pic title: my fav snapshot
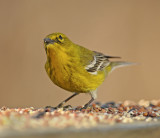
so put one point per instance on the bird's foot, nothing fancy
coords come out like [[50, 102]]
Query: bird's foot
[[67, 107], [85, 107], [50, 108]]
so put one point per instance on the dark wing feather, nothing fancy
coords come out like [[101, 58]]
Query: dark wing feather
[[99, 62]]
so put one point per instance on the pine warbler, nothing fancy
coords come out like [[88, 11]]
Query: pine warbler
[[75, 68]]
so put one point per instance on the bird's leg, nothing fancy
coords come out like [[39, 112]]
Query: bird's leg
[[87, 104], [94, 96], [50, 108], [62, 103]]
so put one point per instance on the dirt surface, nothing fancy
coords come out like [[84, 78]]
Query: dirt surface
[[127, 119]]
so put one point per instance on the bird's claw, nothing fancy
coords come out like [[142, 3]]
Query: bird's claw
[[50, 108], [84, 107], [67, 107]]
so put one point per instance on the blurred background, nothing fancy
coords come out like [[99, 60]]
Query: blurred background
[[126, 28]]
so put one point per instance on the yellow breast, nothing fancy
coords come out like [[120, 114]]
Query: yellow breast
[[69, 74]]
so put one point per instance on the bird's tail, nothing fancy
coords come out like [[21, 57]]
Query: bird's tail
[[116, 64]]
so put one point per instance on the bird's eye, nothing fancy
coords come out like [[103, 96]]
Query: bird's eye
[[60, 37]]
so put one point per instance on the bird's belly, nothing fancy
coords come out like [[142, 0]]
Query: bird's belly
[[74, 79]]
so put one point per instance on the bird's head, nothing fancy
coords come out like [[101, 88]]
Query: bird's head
[[57, 41]]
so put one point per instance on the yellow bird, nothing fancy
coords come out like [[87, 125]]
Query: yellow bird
[[75, 68]]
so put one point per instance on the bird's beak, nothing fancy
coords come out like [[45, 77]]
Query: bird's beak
[[48, 41]]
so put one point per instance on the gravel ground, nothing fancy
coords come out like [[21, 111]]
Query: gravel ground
[[109, 119]]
